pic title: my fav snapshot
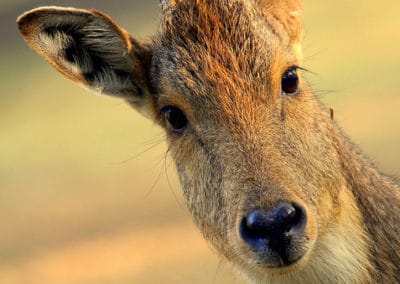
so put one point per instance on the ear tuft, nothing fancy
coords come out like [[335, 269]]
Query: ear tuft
[[88, 47]]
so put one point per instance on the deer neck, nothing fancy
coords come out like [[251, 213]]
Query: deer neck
[[376, 197]]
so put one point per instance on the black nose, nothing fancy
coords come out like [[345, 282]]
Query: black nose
[[274, 230]]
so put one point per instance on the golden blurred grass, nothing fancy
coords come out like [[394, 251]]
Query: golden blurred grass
[[75, 208]]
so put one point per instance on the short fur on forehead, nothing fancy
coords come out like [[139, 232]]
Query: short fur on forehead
[[284, 15]]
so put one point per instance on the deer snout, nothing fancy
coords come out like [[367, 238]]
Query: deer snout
[[277, 235]]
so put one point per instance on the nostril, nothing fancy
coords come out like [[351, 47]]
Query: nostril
[[261, 226], [287, 216]]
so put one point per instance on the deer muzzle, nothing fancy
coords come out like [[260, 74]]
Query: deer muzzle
[[277, 236]]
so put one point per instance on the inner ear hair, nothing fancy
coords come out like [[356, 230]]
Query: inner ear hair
[[87, 47]]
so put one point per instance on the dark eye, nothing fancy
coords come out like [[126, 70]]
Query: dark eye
[[290, 82], [175, 118]]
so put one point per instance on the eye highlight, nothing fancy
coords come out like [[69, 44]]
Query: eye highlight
[[175, 118], [290, 82]]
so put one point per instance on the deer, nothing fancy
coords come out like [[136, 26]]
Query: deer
[[270, 179]]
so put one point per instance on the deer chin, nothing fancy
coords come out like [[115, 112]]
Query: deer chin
[[283, 255], [269, 268]]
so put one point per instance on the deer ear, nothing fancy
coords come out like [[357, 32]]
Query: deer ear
[[286, 16], [89, 48]]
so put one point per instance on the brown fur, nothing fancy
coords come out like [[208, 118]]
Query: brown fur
[[247, 144]]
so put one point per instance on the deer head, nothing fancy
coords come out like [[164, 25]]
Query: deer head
[[253, 147]]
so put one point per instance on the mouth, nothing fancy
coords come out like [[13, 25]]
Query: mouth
[[276, 237]]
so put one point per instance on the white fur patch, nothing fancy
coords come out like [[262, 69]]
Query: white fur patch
[[298, 51], [297, 13], [54, 47]]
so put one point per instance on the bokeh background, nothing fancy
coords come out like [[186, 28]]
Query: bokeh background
[[87, 194]]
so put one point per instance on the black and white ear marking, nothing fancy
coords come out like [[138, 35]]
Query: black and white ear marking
[[88, 47]]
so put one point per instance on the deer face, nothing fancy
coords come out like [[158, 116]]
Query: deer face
[[232, 91], [250, 142]]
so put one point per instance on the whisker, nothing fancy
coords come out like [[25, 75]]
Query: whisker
[[156, 180], [166, 166], [152, 146], [217, 271], [312, 56]]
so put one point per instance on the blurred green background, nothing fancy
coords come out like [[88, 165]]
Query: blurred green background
[[87, 194]]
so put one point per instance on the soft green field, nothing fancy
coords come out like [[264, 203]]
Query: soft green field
[[86, 192]]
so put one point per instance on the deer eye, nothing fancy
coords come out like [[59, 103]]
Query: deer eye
[[290, 82], [175, 118]]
